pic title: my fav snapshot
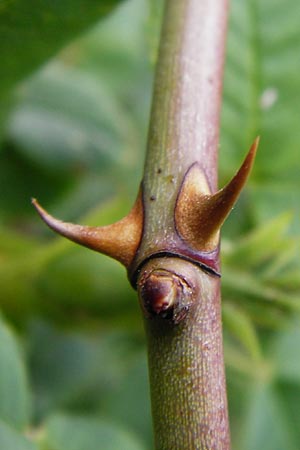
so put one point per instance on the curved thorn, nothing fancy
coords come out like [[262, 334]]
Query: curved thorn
[[200, 215], [221, 203], [119, 240]]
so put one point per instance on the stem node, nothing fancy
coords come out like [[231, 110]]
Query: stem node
[[165, 294]]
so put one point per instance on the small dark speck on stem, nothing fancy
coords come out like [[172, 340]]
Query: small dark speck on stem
[[159, 170], [152, 198]]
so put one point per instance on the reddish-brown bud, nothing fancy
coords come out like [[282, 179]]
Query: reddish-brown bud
[[164, 291]]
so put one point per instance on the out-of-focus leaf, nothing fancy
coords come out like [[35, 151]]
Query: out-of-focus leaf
[[14, 389], [77, 369], [87, 433], [290, 401], [117, 54], [270, 199], [80, 123], [268, 395], [263, 243], [266, 424], [19, 181], [71, 127], [261, 90], [257, 268], [85, 281], [77, 122], [285, 354], [14, 245], [11, 440], [289, 279], [124, 405], [31, 32], [238, 386], [241, 326], [244, 286], [236, 360], [261, 267]]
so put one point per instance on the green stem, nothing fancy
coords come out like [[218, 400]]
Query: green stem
[[186, 365], [187, 380], [184, 126]]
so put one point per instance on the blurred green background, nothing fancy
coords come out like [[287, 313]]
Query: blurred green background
[[75, 96]]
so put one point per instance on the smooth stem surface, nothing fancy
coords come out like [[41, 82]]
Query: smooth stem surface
[[186, 366], [184, 126]]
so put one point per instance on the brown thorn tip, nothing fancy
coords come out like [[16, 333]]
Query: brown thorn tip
[[250, 157], [42, 212], [221, 203], [199, 215], [53, 223], [231, 191]]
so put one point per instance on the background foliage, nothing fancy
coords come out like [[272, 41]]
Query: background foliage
[[73, 372]]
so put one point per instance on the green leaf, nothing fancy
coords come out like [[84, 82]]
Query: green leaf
[[77, 122], [266, 396], [124, 406], [14, 245], [266, 424], [263, 243], [77, 369], [261, 90], [285, 354], [242, 286], [88, 433], [11, 440], [78, 126], [33, 31], [240, 325], [88, 282], [290, 402], [14, 390], [289, 278]]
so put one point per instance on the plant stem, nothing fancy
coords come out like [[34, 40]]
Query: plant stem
[[187, 381], [169, 241], [186, 365], [184, 126]]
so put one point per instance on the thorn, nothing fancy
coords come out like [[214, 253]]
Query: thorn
[[199, 215], [119, 240]]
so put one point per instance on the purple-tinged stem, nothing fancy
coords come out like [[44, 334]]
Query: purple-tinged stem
[[187, 381], [186, 367], [184, 126]]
